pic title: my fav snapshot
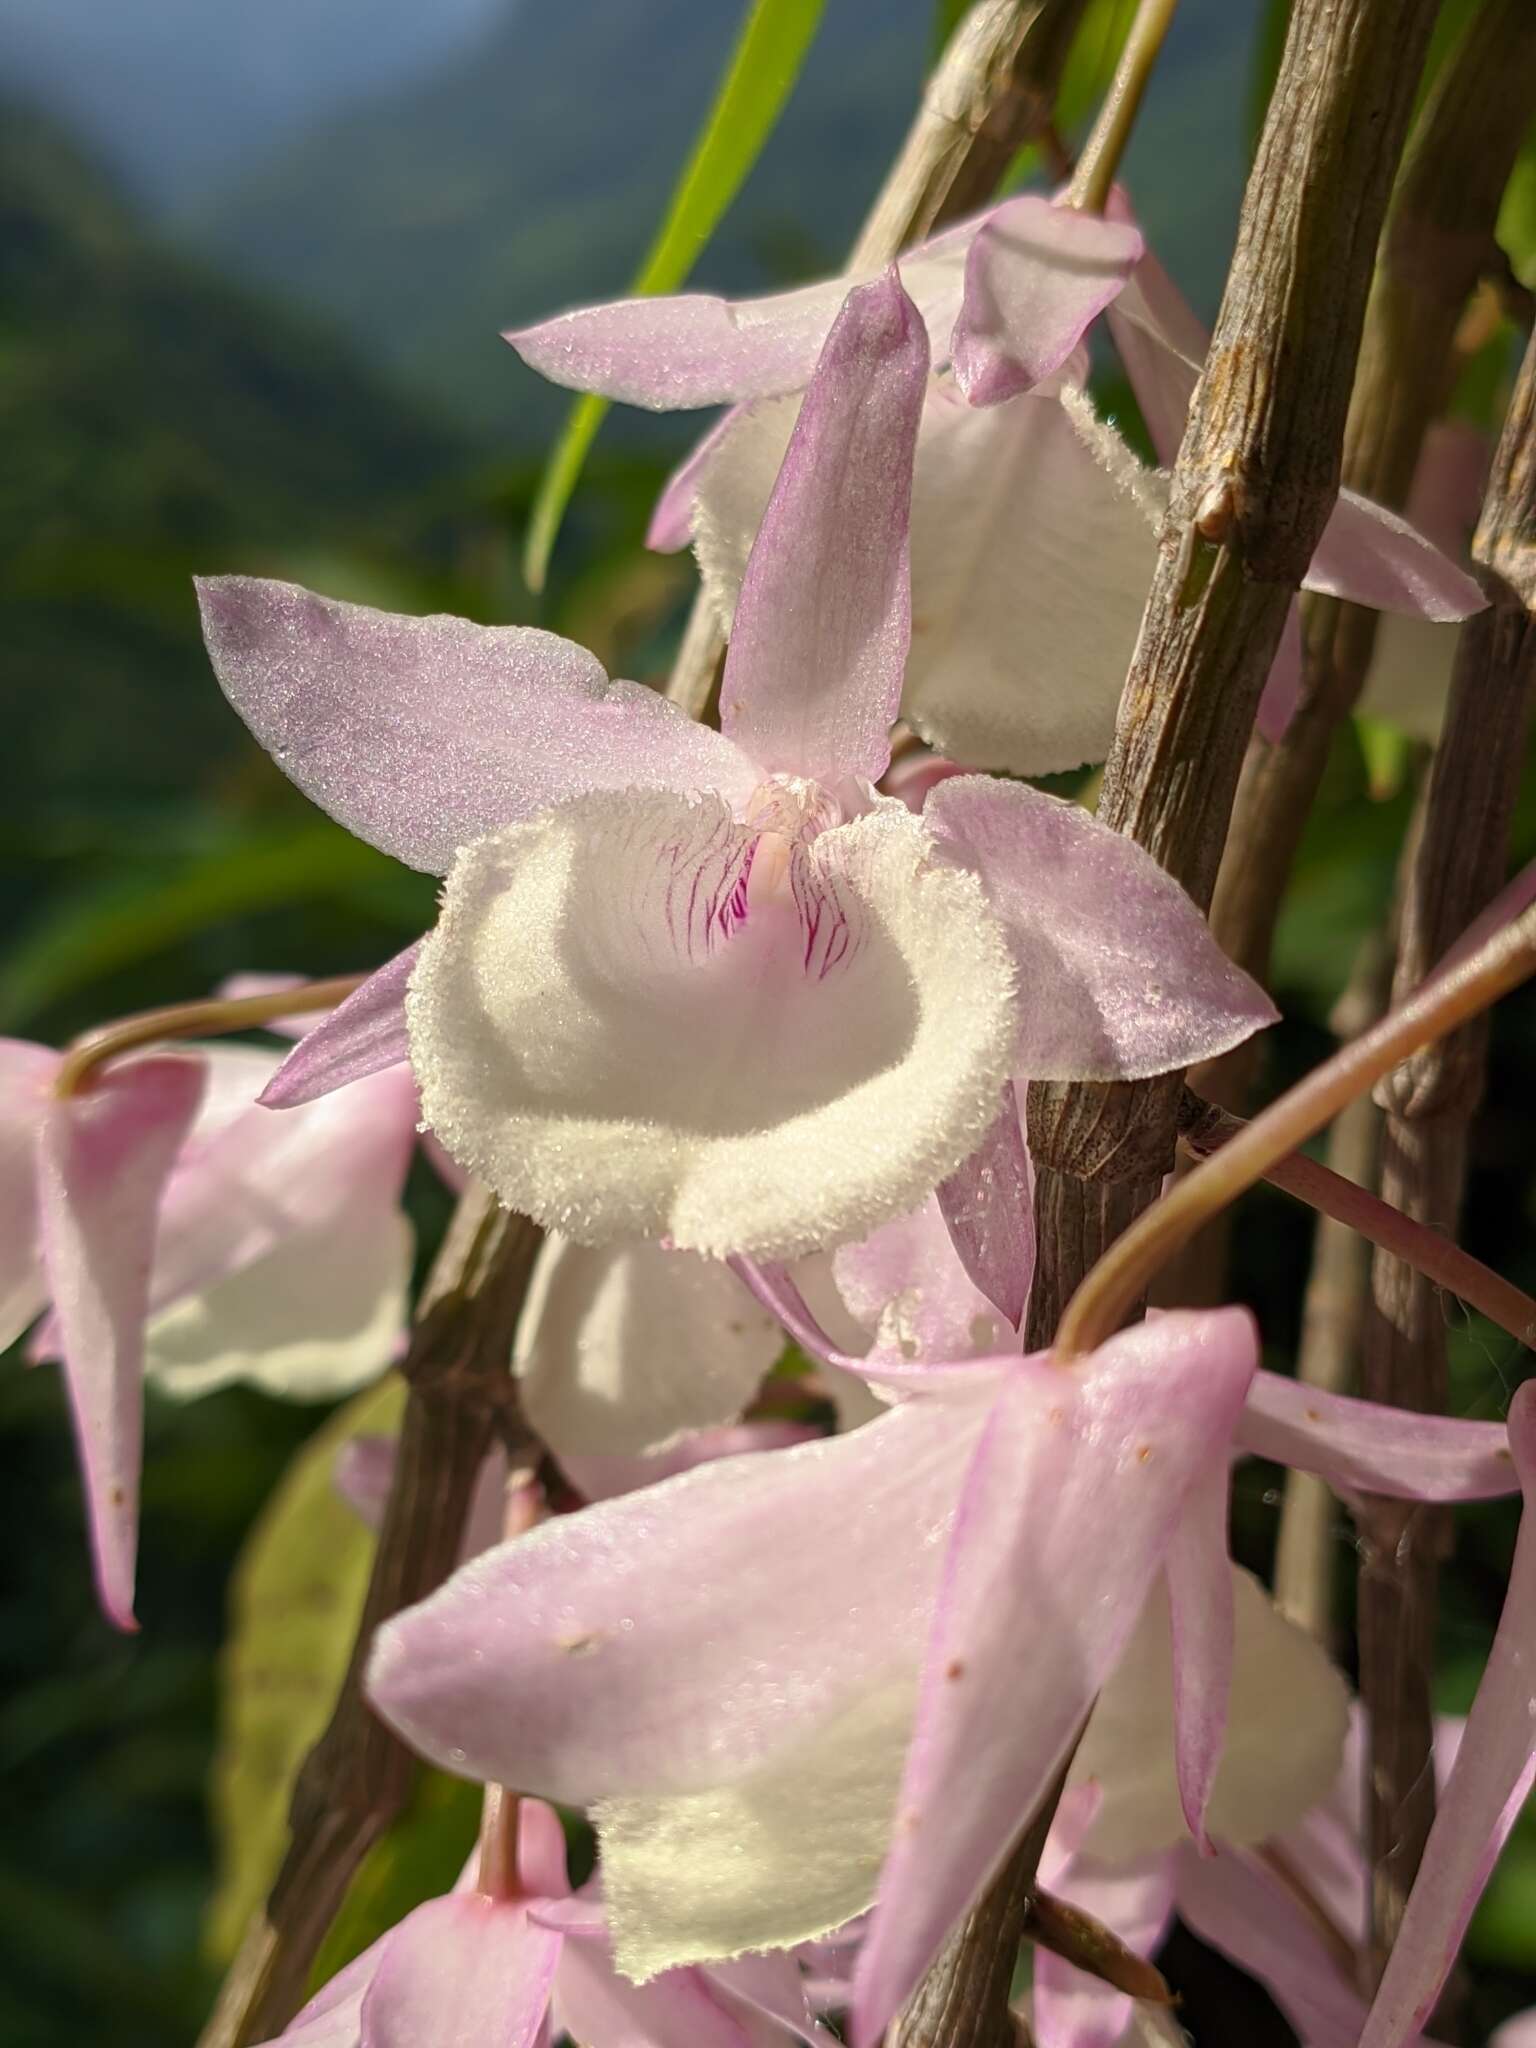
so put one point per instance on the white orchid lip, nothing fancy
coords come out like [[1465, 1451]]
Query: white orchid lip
[[624, 1037]]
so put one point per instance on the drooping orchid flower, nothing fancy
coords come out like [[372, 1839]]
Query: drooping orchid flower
[[506, 1960], [708, 986], [171, 1228], [746, 1792], [1034, 535]]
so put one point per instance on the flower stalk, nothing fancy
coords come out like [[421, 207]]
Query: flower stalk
[[214, 1018], [1449, 1000], [1100, 160]]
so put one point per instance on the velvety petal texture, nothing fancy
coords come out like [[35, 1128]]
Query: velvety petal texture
[[1489, 1782], [420, 734], [104, 1159], [1036, 278], [813, 674], [1067, 1512], [1119, 976], [639, 1018], [623, 1348], [361, 1036]]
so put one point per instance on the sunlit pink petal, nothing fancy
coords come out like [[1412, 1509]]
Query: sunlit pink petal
[[671, 526], [601, 1477], [909, 1288], [819, 642], [420, 734], [1489, 1782], [1118, 973], [1364, 1446], [1204, 1633], [988, 1206], [1067, 1511], [1037, 277], [1375, 557], [104, 1159], [361, 1036], [461, 1969]]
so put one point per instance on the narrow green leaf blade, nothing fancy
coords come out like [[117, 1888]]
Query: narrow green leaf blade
[[764, 66]]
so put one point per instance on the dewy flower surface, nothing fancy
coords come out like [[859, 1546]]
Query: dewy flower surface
[[711, 987]]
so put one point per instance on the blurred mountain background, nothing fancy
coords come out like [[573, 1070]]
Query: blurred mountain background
[[253, 265]]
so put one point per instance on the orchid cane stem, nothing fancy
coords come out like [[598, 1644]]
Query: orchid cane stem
[[1100, 160], [1097, 1308], [210, 1019]]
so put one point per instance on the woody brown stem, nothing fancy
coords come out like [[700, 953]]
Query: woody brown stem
[[992, 91], [1254, 484], [1438, 242], [1456, 867], [357, 1777]]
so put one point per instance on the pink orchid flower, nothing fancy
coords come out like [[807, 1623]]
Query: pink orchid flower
[[709, 987], [742, 1735], [173, 1229], [1024, 626], [513, 1967]]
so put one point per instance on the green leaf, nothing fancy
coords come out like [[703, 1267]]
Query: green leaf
[[762, 72], [1516, 228], [297, 1594]]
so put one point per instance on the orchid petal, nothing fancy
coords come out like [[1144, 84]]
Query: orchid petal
[[1371, 556], [1233, 1903], [1037, 277], [778, 1855], [621, 1038], [593, 1658], [671, 527], [333, 2017], [26, 1074], [1489, 1782], [623, 1348], [1068, 2008], [316, 1318], [1076, 1811], [988, 1207], [911, 1324], [1162, 344], [675, 354], [1282, 687], [1364, 1446], [460, 1969], [603, 1477], [1203, 1628], [682, 2009], [104, 1160], [1284, 1737], [813, 673], [420, 734], [364, 1034], [248, 1181], [906, 1284], [541, 1862], [1118, 972], [1022, 627], [773, 1985], [1068, 1508]]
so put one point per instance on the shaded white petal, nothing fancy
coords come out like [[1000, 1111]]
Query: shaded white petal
[[624, 1347], [317, 1317], [623, 1038], [1285, 1734], [777, 1857]]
